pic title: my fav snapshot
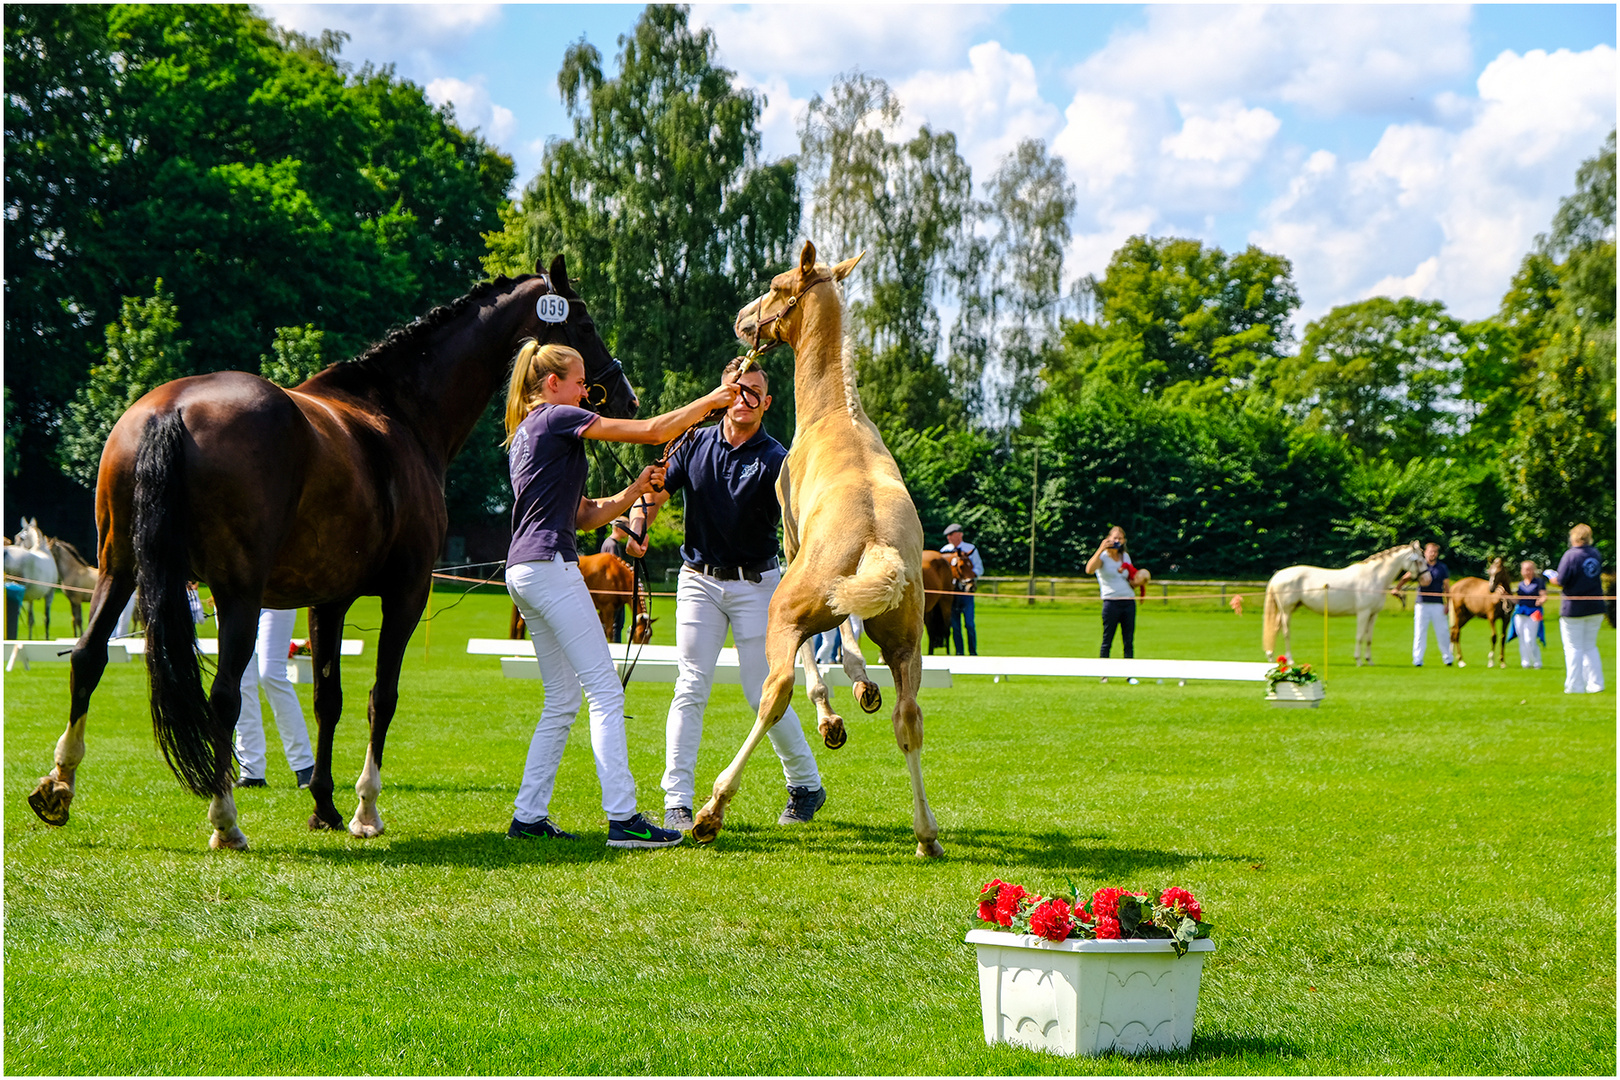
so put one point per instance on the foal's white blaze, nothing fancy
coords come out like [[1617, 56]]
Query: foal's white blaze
[[367, 822]]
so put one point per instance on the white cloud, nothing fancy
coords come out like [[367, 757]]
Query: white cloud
[[420, 33], [779, 121], [991, 106], [821, 41], [474, 109], [1448, 215], [1326, 59]]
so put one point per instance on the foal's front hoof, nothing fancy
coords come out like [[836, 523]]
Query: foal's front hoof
[[833, 733], [929, 849], [708, 823], [869, 696], [50, 800]]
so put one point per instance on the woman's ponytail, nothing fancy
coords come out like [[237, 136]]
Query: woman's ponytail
[[534, 362]]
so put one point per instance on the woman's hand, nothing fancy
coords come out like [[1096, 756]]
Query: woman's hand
[[723, 396], [651, 479]]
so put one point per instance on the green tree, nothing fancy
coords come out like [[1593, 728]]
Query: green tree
[[297, 353], [910, 206], [1384, 374], [1199, 316], [669, 220], [144, 351]]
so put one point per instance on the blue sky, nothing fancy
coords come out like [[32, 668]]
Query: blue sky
[[1384, 149]]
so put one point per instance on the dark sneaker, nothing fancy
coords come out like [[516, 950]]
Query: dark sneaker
[[638, 832], [802, 805], [253, 781], [678, 818], [537, 830], [304, 776]]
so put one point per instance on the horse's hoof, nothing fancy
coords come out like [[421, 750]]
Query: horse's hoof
[[365, 830], [870, 697], [706, 826], [50, 801], [319, 821], [1462, 663], [929, 849], [833, 733], [234, 840]]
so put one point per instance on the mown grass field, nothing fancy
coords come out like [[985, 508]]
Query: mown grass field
[[1418, 877]]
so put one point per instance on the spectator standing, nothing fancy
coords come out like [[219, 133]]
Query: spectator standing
[[1580, 576], [1109, 563], [267, 668], [962, 605], [1430, 609], [1531, 594]]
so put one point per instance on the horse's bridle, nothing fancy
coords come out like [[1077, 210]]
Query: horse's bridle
[[613, 368]]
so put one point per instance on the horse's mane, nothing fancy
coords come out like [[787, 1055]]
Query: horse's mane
[[70, 549], [381, 362], [1387, 551]]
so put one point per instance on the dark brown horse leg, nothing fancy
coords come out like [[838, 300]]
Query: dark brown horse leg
[[50, 800], [1458, 618], [238, 619], [325, 641], [401, 613]]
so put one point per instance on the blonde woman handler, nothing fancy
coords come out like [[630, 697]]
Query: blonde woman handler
[[545, 429]]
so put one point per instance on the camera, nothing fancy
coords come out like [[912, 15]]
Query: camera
[[1116, 544]]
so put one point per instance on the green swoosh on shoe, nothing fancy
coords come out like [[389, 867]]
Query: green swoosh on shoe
[[639, 835]]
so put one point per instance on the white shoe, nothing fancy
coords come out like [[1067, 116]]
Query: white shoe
[[1134, 682]]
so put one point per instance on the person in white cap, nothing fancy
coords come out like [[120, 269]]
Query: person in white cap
[[962, 608]]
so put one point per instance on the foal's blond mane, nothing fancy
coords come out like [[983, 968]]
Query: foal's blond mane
[[846, 353]]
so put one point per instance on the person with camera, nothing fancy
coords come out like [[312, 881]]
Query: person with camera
[[1112, 565], [962, 605]]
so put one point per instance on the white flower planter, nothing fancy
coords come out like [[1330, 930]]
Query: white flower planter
[[1290, 695], [1087, 997]]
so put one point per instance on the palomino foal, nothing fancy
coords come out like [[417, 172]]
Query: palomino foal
[[851, 533]]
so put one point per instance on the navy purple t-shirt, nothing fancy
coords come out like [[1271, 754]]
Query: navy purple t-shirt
[[547, 464], [1580, 574], [1434, 591]]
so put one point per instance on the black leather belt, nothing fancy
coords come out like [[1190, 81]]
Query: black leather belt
[[753, 572]]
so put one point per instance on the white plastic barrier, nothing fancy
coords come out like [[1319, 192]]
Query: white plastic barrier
[[658, 663], [119, 650]]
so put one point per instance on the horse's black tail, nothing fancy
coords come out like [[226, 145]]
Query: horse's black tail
[[181, 716]]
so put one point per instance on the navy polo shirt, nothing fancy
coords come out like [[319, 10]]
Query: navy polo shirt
[[1433, 592], [731, 509]]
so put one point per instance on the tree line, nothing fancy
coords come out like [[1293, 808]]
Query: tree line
[[191, 188]]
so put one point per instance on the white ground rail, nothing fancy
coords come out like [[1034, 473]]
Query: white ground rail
[[119, 650], [657, 664]]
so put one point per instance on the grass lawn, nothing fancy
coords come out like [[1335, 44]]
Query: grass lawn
[[1419, 877]]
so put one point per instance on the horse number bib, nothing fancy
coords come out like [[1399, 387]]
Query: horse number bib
[[551, 308]]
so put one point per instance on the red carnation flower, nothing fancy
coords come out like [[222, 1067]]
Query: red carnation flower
[[1107, 927], [1007, 902], [1105, 903], [987, 906], [1182, 901], [1051, 920]]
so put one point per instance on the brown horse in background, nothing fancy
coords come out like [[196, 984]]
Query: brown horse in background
[[1489, 598], [309, 497], [939, 599], [612, 582]]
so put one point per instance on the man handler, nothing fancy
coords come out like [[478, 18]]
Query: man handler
[[729, 475]]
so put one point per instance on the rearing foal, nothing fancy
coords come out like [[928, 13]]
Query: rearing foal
[[312, 497], [850, 530]]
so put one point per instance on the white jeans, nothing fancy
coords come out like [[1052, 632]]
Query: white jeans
[[126, 619], [267, 668], [832, 641], [574, 657], [704, 607], [1583, 667], [1529, 644], [1427, 615]]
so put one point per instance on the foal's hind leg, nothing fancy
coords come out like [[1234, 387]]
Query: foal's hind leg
[[50, 800], [905, 662], [867, 693], [401, 612], [828, 723]]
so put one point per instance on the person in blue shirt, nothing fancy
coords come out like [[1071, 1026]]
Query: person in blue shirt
[[728, 473], [1528, 626], [1580, 577], [962, 602], [545, 429], [1430, 609]]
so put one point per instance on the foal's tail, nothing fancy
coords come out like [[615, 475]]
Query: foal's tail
[[1272, 622], [878, 585], [181, 716]]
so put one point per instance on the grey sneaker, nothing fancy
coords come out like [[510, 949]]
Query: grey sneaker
[[678, 818], [304, 777], [802, 805]]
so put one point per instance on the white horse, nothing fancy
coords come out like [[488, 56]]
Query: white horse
[[1358, 589], [29, 562]]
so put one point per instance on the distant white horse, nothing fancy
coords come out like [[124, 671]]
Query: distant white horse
[[29, 562], [1358, 589]]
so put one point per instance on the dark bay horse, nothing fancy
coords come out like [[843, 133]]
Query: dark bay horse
[[939, 597], [309, 497]]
